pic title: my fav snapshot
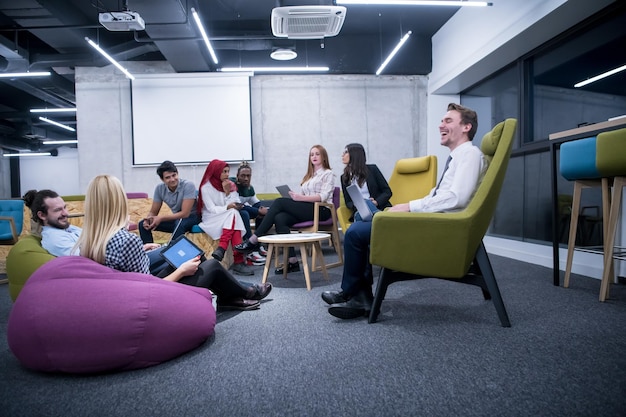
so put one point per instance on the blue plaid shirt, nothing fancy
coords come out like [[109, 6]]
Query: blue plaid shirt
[[125, 253]]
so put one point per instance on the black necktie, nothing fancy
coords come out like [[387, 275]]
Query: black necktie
[[445, 168]]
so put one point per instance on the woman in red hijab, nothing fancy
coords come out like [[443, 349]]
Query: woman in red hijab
[[219, 204]]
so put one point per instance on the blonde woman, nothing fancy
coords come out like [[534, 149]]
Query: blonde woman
[[106, 240]]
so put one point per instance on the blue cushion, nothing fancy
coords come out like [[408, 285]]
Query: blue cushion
[[196, 229], [578, 159]]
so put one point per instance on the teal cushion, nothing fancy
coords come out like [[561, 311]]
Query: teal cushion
[[578, 159], [14, 209]]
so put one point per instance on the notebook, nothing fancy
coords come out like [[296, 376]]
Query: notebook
[[180, 250], [359, 202], [284, 190]]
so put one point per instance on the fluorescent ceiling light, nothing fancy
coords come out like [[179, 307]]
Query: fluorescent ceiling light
[[394, 52], [55, 110], [283, 54], [601, 76], [204, 35], [110, 58], [24, 74], [28, 154], [274, 69], [454, 3], [61, 125], [60, 142]]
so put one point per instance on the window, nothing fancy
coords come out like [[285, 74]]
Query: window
[[539, 91]]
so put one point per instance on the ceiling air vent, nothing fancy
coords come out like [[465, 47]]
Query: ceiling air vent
[[307, 22]]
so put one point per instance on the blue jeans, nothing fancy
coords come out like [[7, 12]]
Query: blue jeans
[[169, 226], [357, 270], [157, 262], [373, 209]]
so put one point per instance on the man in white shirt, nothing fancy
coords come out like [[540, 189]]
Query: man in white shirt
[[58, 236], [462, 174]]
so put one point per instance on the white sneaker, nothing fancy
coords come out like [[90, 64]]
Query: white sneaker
[[255, 258], [262, 251]]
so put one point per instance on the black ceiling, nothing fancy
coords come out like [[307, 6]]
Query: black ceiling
[[50, 35]]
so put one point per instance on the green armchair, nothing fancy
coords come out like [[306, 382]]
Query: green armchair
[[412, 178], [445, 245]]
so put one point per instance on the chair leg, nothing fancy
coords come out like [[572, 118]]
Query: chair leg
[[381, 291], [571, 242], [609, 238], [485, 266]]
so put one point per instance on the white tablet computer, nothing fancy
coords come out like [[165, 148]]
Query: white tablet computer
[[180, 250], [359, 202]]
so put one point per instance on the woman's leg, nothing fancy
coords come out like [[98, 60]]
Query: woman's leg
[[232, 236], [290, 213], [212, 275]]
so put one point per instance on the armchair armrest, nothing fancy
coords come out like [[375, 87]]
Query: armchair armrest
[[427, 244], [13, 228]]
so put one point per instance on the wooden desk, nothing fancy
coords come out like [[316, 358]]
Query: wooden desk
[[556, 139], [295, 239]]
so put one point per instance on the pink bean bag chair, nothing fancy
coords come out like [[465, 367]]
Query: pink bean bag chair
[[77, 316]]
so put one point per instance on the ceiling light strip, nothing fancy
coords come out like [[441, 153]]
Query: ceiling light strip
[[24, 74], [394, 52], [55, 110], [196, 18], [110, 58], [27, 154], [61, 125], [274, 69], [601, 76], [61, 142], [453, 3]]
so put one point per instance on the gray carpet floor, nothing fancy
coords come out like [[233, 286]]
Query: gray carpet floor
[[437, 350]]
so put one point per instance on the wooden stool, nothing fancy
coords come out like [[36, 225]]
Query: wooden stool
[[611, 161], [591, 162], [295, 239]]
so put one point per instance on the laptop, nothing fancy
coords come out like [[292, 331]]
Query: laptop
[[359, 202], [180, 250], [284, 190], [166, 244]]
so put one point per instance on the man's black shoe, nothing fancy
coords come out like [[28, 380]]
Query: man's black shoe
[[357, 306], [247, 247], [291, 267], [334, 297]]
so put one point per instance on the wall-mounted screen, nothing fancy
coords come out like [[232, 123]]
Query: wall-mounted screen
[[191, 118]]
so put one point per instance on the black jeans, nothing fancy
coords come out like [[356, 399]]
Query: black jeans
[[212, 275], [285, 212]]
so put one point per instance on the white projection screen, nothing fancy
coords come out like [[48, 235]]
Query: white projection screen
[[191, 118]]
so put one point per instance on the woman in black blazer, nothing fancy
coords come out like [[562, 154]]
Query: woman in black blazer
[[367, 177]]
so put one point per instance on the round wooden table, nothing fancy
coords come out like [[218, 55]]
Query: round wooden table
[[300, 240]]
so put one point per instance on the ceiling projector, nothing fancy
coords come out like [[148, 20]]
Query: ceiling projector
[[122, 21]]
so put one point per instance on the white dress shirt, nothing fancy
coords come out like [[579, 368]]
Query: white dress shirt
[[458, 184]]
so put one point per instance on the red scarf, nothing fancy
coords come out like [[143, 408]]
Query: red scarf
[[213, 175]]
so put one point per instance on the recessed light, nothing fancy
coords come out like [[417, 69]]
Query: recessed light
[[283, 54]]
